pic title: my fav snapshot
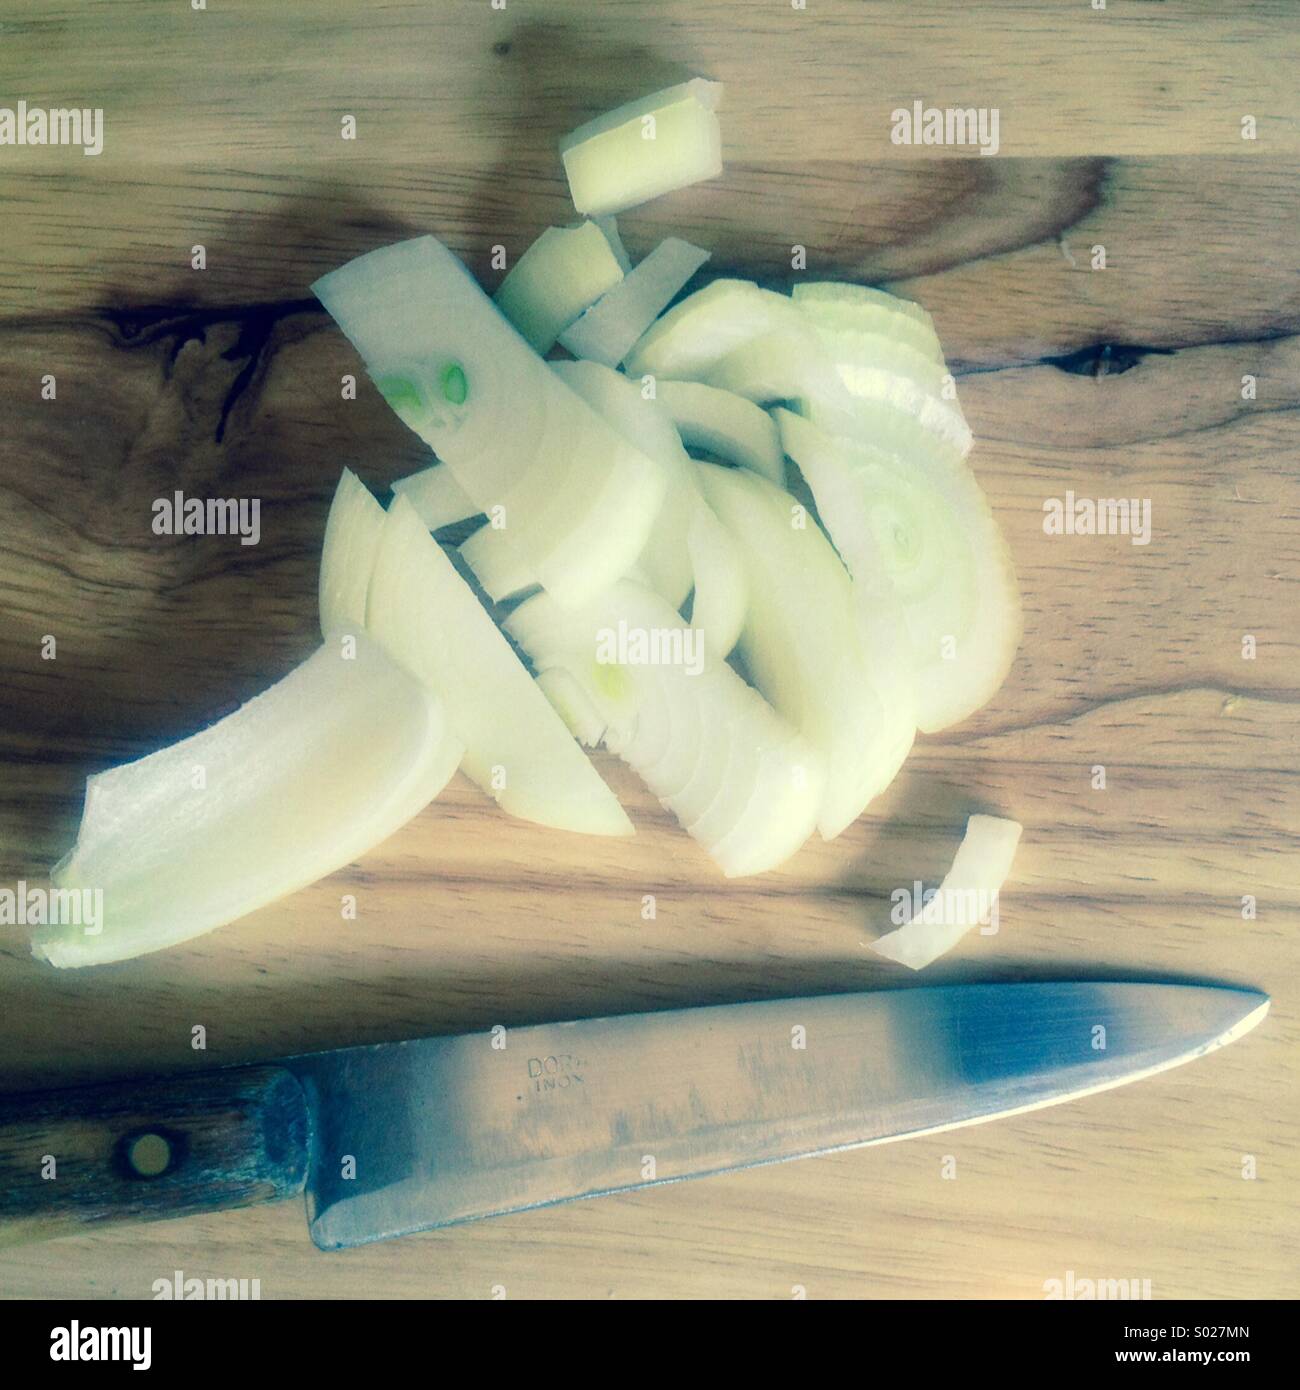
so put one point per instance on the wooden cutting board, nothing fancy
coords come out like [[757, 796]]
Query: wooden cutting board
[[1119, 129]]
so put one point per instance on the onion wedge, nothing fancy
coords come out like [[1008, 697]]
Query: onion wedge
[[967, 896], [645, 148], [920, 528], [348, 557], [439, 500], [734, 773], [724, 424], [295, 784], [564, 272], [608, 330], [807, 648], [516, 747], [578, 500]]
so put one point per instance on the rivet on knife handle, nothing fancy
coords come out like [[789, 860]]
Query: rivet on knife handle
[[146, 1151]]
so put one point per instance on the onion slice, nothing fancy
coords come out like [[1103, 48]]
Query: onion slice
[[439, 500], [863, 309], [807, 647], [735, 774], [726, 425], [348, 556], [516, 748], [920, 528], [645, 148], [566, 270], [697, 333], [295, 784], [967, 896], [608, 330], [578, 500]]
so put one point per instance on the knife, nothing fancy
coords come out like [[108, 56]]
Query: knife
[[402, 1137]]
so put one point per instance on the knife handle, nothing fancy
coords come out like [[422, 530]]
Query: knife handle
[[73, 1160]]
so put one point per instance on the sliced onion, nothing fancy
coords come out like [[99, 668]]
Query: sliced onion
[[609, 225], [876, 368], [697, 333], [725, 424], [608, 330], [734, 773], [578, 500], [348, 556], [295, 784], [862, 309], [571, 702], [439, 500], [807, 648], [921, 528], [666, 560], [721, 589], [516, 748], [660, 143], [966, 897], [496, 564], [562, 273]]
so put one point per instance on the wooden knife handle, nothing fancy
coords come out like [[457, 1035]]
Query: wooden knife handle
[[75, 1159]]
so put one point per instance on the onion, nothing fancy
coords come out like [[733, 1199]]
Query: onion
[[439, 500], [563, 272], [660, 143], [609, 225], [348, 556], [499, 568], [920, 527], [516, 748], [724, 424], [696, 334], [607, 331], [666, 560], [295, 784], [721, 595], [966, 897], [807, 648], [862, 309], [735, 774], [687, 547], [578, 500]]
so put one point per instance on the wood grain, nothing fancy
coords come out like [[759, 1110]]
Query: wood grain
[[70, 1160], [1119, 128]]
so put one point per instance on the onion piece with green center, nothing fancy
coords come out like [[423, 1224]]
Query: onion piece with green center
[[348, 556], [295, 784], [920, 527], [439, 500], [645, 148], [734, 773], [724, 424], [807, 647], [578, 500], [563, 273], [516, 747], [967, 897], [608, 330]]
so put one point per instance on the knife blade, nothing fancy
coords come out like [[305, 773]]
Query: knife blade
[[400, 1137]]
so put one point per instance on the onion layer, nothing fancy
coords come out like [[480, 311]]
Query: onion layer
[[967, 897], [295, 784]]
